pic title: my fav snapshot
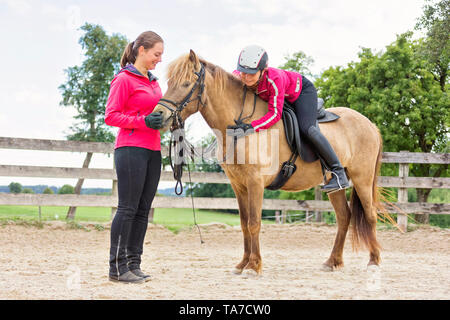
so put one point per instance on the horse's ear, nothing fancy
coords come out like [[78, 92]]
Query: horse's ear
[[193, 57]]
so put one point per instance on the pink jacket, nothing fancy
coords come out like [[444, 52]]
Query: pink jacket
[[275, 86], [131, 98]]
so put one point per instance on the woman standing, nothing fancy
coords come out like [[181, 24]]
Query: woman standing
[[133, 95]]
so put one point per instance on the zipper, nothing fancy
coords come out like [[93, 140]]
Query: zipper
[[117, 258], [132, 130]]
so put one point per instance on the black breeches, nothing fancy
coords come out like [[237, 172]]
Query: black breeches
[[138, 172], [306, 106]]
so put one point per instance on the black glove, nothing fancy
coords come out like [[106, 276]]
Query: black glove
[[154, 120], [240, 129]]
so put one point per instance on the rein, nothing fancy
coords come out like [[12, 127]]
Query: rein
[[239, 120], [178, 124]]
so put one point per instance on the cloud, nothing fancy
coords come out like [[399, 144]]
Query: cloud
[[20, 7]]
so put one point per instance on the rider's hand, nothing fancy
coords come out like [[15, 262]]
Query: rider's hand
[[240, 129]]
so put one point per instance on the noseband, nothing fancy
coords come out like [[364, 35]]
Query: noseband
[[177, 121]]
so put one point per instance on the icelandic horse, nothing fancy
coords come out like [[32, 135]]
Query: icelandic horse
[[355, 139]]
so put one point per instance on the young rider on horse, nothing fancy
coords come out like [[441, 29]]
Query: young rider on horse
[[274, 85]]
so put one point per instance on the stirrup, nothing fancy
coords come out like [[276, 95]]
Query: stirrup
[[339, 185]]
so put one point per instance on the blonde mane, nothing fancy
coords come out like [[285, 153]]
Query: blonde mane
[[182, 70]]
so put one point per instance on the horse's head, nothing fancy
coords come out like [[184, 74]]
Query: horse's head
[[185, 92]]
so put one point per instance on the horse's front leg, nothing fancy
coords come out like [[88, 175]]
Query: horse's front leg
[[255, 199], [242, 199]]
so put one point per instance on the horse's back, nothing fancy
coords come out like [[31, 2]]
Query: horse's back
[[354, 137]]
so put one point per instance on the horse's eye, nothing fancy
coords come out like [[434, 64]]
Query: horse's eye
[[186, 84]]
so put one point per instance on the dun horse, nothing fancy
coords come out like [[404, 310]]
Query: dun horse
[[197, 85]]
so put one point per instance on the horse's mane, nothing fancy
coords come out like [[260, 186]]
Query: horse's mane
[[180, 71]]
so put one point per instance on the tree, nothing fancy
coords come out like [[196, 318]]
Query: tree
[[66, 189], [27, 190], [48, 191], [398, 92], [298, 62], [87, 89], [15, 187], [435, 48]]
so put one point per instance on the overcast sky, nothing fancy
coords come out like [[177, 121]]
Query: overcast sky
[[40, 39]]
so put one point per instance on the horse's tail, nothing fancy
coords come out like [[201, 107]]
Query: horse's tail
[[364, 232]]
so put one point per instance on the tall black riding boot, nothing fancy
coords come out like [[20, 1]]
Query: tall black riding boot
[[338, 179]]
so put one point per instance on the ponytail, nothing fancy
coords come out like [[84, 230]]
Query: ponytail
[[128, 55], [146, 39]]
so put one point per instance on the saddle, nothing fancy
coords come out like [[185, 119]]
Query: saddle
[[298, 143]]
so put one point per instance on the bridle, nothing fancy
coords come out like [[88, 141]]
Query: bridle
[[178, 123], [177, 107]]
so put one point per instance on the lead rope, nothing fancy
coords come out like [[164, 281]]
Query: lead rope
[[177, 168], [192, 198]]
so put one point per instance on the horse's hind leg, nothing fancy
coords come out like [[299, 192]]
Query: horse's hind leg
[[364, 199], [339, 202], [365, 212]]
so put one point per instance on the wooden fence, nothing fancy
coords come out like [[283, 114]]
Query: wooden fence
[[402, 182]]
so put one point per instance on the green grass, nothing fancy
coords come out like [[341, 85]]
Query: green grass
[[87, 214], [173, 219], [176, 219]]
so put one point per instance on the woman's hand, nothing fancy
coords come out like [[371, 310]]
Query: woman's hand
[[154, 120]]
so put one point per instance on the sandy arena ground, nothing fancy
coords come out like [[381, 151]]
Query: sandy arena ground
[[57, 262]]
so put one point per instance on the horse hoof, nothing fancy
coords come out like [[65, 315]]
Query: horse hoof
[[327, 268], [250, 273], [373, 268], [237, 271]]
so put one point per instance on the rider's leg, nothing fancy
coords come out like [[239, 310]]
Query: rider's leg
[[306, 111]]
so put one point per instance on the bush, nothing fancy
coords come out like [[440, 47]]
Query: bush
[[15, 187], [48, 191], [66, 189]]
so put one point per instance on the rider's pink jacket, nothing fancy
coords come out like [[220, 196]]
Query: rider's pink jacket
[[275, 86], [131, 98]]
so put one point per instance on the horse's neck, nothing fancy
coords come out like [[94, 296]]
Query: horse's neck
[[223, 108]]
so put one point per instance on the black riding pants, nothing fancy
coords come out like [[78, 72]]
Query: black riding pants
[[306, 106], [138, 172]]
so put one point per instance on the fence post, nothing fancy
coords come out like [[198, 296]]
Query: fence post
[[402, 218], [151, 215], [318, 196], [277, 217], [283, 216]]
